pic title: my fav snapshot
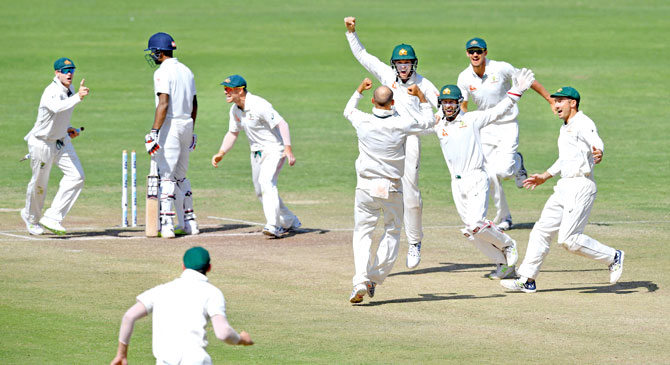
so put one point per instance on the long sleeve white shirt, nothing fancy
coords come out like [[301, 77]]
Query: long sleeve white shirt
[[259, 120], [405, 104], [54, 112], [381, 138], [575, 142]]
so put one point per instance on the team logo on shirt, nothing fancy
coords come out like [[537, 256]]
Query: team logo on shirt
[[444, 132], [472, 88], [402, 52], [493, 79]]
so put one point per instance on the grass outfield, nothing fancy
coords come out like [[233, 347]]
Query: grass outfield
[[64, 298]]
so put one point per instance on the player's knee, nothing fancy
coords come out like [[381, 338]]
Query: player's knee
[[570, 243]]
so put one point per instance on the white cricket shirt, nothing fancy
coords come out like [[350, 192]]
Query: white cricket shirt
[[490, 89], [381, 138], [259, 121], [405, 104], [181, 309], [176, 80], [54, 112], [460, 139], [575, 156]]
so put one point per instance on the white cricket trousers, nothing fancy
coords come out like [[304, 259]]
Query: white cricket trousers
[[44, 154], [265, 168], [566, 213], [174, 137], [470, 193], [367, 210], [502, 162], [411, 193]]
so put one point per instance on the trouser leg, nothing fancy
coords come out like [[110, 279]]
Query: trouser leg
[[41, 161], [387, 252], [413, 204], [366, 215], [70, 185]]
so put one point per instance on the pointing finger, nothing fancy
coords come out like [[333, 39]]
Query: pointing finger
[[82, 82]]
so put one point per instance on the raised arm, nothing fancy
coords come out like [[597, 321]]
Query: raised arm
[[350, 111], [368, 61]]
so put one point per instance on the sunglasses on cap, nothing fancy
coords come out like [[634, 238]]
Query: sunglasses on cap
[[475, 50], [66, 70]]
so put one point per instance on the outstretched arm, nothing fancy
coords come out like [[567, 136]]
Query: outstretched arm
[[536, 179], [226, 145], [227, 334], [135, 312], [368, 61]]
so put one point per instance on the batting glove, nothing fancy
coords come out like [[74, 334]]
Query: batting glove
[[521, 81], [151, 142], [194, 141]]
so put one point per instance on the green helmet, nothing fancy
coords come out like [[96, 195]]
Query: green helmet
[[403, 52], [450, 92]]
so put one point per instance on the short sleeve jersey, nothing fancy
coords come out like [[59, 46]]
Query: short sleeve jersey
[[176, 80], [259, 121], [181, 309]]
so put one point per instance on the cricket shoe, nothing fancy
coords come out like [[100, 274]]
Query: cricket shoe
[[295, 226], [52, 225], [511, 254], [370, 286], [616, 268], [506, 224], [167, 231], [502, 272], [34, 229], [521, 174], [413, 255], [519, 285], [357, 293], [191, 227], [273, 232]]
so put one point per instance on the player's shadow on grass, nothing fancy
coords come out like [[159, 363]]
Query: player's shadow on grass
[[224, 228], [523, 225], [627, 287], [448, 267], [298, 231], [428, 298]]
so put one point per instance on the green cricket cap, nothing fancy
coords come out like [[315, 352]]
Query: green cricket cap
[[234, 81], [403, 52], [450, 92], [63, 63], [568, 92], [475, 43], [196, 258]]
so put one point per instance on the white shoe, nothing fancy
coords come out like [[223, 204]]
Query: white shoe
[[272, 231], [616, 268], [505, 225], [167, 231], [358, 293], [191, 227], [502, 272], [52, 225], [511, 254], [295, 226], [521, 174], [413, 255], [34, 229], [519, 285]]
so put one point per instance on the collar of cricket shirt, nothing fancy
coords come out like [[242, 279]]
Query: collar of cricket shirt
[[382, 113]]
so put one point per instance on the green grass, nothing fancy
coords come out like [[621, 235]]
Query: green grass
[[64, 307]]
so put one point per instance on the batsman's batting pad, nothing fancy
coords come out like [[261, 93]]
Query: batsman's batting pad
[[491, 234]]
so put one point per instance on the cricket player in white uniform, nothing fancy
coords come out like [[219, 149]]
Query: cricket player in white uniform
[[486, 82], [181, 310], [270, 142], [379, 190], [49, 143], [567, 211], [459, 136], [171, 136], [399, 76]]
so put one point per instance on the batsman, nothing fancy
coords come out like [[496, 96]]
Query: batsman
[[171, 138]]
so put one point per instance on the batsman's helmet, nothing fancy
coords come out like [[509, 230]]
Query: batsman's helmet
[[161, 42]]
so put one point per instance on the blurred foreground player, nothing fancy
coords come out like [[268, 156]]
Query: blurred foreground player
[[181, 310]]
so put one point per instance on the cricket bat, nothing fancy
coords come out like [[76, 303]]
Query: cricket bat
[[151, 224]]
